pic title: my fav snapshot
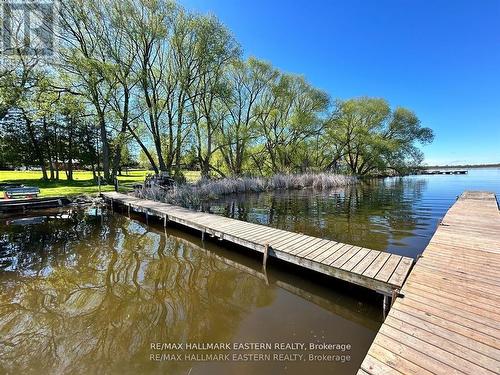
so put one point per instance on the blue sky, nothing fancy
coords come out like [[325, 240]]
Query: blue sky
[[439, 58]]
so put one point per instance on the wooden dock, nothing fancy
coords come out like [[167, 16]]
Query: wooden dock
[[12, 205], [376, 270], [448, 319], [445, 171]]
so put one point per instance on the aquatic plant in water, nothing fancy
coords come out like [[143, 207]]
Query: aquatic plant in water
[[193, 195]]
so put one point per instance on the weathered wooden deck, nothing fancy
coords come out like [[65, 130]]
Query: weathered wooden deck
[[376, 270], [448, 320]]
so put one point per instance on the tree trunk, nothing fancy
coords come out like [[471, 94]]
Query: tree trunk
[[144, 148], [44, 170], [36, 146], [205, 167], [56, 152], [94, 175], [161, 161], [104, 146], [178, 145], [117, 156], [47, 146], [69, 166], [51, 169]]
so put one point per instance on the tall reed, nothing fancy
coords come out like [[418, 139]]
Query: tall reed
[[193, 195]]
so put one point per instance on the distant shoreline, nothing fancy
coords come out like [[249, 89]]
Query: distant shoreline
[[495, 165]]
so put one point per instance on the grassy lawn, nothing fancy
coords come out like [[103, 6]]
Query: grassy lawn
[[82, 184]]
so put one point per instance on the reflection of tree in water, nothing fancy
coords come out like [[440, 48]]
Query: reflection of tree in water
[[373, 213], [97, 296]]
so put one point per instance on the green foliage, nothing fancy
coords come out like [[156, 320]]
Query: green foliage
[[289, 116], [369, 137], [144, 161], [148, 78]]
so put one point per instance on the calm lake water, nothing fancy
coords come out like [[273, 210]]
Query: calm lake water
[[83, 292], [398, 215]]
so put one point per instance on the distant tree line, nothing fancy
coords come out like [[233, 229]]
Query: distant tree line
[[148, 78]]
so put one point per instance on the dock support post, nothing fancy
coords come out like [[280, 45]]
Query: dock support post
[[385, 305], [264, 272], [203, 235], [129, 210], [147, 217], [164, 221], [395, 293], [266, 254], [112, 206]]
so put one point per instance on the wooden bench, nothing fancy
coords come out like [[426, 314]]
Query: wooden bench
[[19, 192]]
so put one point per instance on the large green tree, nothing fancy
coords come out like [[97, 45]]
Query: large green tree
[[247, 82], [369, 137], [215, 49], [290, 114]]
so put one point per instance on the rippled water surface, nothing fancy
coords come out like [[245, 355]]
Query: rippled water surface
[[85, 292], [398, 215]]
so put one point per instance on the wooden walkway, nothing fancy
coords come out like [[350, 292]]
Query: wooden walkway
[[448, 320], [379, 271]]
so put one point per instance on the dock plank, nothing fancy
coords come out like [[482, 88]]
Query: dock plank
[[404, 350], [365, 262], [310, 244], [446, 320], [297, 237], [335, 248], [396, 362], [437, 348], [340, 261], [377, 265], [337, 254], [351, 263], [461, 355], [389, 267], [325, 249], [401, 271], [261, 235], [316, 247]]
